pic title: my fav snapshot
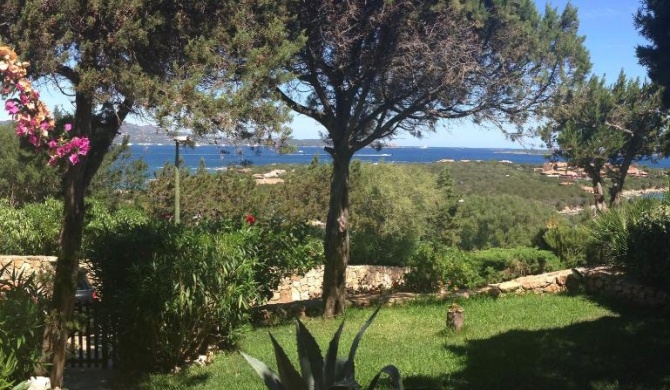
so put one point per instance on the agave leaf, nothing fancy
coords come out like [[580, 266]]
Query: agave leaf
[[290, 377], [331, 366], [349, 370], [270, 379], [311, 360], [345, 384], [393, 373]]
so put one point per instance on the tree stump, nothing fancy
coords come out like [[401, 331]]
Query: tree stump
[[455, 317]]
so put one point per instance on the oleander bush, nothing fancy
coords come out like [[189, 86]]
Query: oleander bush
[[174, 290], [23, 304], [177, 290], [30, 230]]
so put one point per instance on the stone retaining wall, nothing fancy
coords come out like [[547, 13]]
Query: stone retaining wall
[[370, 278], [599, 280], [360, 278], [28, 264]]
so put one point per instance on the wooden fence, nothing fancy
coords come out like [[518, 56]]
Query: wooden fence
[[93, 343]]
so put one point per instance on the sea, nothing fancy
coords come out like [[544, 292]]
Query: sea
[[217, 157]]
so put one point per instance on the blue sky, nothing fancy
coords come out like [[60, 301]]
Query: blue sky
[[610, 37]]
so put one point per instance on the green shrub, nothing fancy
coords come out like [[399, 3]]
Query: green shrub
[[438, 268], [610, 230], [394, 207], [178, 289], [570, 243], [7, 368], [435, 268], [31, 230], [497, 264], [647, 256], [502, 221], [23, 303], [282, 249], [175, 290]]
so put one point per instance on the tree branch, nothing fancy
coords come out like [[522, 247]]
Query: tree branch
[[617, 127]]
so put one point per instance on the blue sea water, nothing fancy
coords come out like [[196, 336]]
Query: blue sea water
[[218, 157]]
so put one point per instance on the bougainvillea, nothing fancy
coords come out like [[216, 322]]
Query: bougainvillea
[[34, 121]]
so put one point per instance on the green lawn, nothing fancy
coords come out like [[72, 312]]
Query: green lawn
[[533, 342]]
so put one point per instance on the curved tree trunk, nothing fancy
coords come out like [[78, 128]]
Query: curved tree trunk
[[599, 197], [617, 187], [56, 332], [337, 238], [76, 181]]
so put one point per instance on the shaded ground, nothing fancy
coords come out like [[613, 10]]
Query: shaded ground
[[631, 351], [89, 378]]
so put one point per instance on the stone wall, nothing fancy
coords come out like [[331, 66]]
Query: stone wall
[[28, 264], [360, 278], [598, 280]]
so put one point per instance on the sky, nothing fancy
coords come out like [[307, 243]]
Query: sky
[[610, 38]]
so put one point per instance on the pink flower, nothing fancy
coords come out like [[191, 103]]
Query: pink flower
[[11, 107], [74, 158], [53, 144], [21, 130], [68, 127]]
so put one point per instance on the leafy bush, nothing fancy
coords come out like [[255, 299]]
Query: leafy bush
[[610, 230], [647, 255], [435, 268], [178, 289], [635, 236], [23, 303], [393, 207], [174, 290], [503, 221], [30, 230], [438, 268], [497, 264], [282, 249], [572, 244]]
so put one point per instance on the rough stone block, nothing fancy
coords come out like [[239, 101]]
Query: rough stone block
[[509, 286]]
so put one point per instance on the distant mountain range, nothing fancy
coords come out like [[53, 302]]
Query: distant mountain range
[[149, 134]]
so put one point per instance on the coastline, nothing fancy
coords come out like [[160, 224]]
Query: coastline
[[625, 193]]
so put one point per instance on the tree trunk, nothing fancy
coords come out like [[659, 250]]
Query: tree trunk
[[337, 238], [76, 181], [617, 187], [599, 197], [56, 332]]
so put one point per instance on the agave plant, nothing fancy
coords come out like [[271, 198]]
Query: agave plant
[[318, 373]]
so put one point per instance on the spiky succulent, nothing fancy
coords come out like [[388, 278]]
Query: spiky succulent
[[318, 373]]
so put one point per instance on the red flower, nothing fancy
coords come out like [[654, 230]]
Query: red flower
[[250, 219]]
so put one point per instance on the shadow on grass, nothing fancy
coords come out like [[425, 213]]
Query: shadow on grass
[[630, 351], [180, 381]]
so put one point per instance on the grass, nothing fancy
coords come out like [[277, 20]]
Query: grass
[[534, 342]]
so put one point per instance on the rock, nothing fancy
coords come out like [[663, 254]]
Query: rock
[[39, 383], [509, 286]]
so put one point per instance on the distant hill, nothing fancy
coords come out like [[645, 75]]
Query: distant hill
[[149, 134]]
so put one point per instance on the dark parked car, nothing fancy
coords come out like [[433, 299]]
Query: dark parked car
[[85, 291]]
